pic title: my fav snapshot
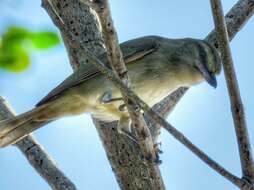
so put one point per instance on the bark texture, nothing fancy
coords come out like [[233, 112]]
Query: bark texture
[[37, 157]]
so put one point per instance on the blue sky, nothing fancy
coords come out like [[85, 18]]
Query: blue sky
[[203, 114]]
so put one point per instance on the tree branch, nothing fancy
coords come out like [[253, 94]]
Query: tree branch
[[37, 156], [116, 60], [235, 19], [237, 108]]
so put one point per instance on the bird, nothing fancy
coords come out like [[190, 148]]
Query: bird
[[156, 66]]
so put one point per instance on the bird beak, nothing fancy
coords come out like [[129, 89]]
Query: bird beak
[[209, 77]]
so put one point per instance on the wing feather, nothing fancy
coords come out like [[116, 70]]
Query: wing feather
[[132, 50]]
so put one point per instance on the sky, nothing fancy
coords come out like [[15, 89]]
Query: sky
[[203, 115]]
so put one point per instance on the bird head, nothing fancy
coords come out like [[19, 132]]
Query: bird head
[[205, 59]]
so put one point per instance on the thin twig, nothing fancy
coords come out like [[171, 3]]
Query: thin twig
[[37, 156], [164, 108], [237, 108], [116, 60]]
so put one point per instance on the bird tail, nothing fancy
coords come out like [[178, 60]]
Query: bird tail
[[16, 128]]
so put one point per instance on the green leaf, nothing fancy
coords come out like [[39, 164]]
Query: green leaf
[[15, 35], [16, 43], [13, 56], [14, 59], [44, 40]]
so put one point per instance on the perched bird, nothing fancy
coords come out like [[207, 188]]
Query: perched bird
[[156, 66]]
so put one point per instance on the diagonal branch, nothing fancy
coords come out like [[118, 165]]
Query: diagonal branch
[[116, 60], [37, 156], [237, 108]]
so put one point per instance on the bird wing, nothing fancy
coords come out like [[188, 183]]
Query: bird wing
[[132, 50]]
